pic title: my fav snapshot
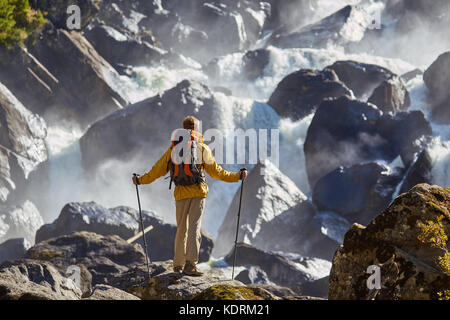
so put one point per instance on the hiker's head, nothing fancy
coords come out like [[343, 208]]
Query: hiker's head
[[191, 123]]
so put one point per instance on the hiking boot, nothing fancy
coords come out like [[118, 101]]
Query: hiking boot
[[191, 270], [178, 269]]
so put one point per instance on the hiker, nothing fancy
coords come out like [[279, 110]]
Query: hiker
[[190, 192]]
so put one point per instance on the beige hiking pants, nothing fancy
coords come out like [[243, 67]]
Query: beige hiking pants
[[188, 238]]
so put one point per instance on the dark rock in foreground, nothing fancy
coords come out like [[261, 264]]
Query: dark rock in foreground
[[280, 270], [409, 266], [124, 222], [105, 257], [105, 292], [35, 280]]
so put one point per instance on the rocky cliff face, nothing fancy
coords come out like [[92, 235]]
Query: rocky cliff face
[[407, 242]]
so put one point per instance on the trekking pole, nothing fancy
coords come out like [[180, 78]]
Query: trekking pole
[[237, 227], [142, 228]]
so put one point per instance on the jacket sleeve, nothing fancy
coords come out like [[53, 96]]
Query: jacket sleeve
[[215, 170], [159, 169]]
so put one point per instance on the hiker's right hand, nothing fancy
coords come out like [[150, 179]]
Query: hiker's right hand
[[136, 179], [243, 174]]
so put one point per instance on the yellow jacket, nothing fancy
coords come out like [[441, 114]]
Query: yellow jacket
[[194, 191]]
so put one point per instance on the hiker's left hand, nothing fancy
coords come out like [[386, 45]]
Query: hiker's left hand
[[135, 179], [243, 173]]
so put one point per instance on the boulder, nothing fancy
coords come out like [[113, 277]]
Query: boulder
[[361, 78], [346, 132], [252, 275], [105, 292], [30, 82], [104, 140], [437, 79], [13, 249], [299, 274], [233, 292], [296, 230], [89, 84], [56, 12], [117, 48], [138, 275], [22, 143], [397, 243], [278, 291], [391, 96], [105, 257], [345, 26], [35, 280], [175, 286], [357, 193], [299, 94], [19, 221], [254, 63], [267, 193], [419, 172], [122, 221]]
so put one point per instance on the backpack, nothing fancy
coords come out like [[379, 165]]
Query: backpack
[[188, 172]]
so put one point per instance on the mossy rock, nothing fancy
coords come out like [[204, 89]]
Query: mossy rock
[[393, 241], [229, 292]]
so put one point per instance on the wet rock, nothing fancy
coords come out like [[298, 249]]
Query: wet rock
[[361, 78], [254, 63], [391, 96], [358, 193], [88, 84], [342, 27], [104, 138], [267, 194], [117, 48], [437, 79], [299, 94], [419, 172], [22, 143], [346, 132], [35, 280], [409, 267]]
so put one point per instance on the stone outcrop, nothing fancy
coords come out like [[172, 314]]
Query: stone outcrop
[[124, 222], [398, 244], [267, 193], [35, 280]]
